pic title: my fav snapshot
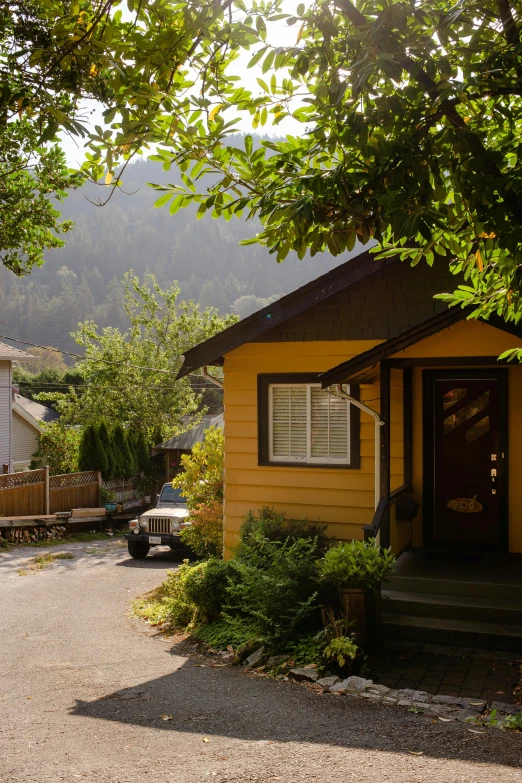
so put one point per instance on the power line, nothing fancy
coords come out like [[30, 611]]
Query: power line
[[79, 356], [86, 386]]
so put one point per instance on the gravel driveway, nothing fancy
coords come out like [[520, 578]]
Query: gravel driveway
[[84, 686]]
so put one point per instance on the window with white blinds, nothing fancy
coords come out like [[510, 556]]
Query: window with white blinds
[[307, 424]]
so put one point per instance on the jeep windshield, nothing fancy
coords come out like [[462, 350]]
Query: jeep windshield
[[170, 494]]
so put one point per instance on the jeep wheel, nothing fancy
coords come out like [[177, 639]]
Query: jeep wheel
[[138, 549]]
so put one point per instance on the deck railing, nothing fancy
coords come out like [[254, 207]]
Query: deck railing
[[380, 523]]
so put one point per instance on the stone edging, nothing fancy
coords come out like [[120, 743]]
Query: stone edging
[[448, 708]]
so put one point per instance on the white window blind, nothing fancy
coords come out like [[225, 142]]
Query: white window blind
[[308, 425]]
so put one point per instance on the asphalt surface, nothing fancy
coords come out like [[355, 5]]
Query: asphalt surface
[[84, 686]]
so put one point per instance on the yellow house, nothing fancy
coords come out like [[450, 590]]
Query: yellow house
[[362, 402]]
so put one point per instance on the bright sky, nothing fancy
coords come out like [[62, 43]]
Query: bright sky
[[279, 34]]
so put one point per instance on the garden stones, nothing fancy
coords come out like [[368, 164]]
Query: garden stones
[[327, 682], [256, 658], [352, 684], [304, 675]]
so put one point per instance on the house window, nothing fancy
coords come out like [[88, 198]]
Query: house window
[[300, 424]]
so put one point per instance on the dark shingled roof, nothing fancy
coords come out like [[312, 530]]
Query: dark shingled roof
[[40, 413], [212, 351], [188, 440]]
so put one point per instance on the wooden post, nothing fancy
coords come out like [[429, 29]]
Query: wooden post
[[385, 450], [47, 492]]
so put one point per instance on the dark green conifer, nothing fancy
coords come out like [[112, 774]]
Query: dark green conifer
[[126, 466]]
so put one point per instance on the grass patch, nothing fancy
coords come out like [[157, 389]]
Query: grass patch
[[40, 562], [77, 538], [153, 607], [43, 561]]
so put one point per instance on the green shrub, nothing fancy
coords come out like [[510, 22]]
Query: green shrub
[[205, 535], [514, 721], [228, 632], [309, 650], [206, 587], [201, 479], [269, 525], [276, 590], [356, 564], [340, 650], [169, 603]]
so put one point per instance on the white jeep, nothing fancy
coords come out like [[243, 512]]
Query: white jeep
[[160, 525]]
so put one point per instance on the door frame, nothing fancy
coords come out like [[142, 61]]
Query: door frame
[[428, 435]]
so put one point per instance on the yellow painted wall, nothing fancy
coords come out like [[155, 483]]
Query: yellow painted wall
[[344, 498], [341, 497]]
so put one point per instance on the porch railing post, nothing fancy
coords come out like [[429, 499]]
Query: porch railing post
[[385, 450]]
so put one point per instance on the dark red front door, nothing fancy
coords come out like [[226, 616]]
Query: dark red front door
[[466, 418]]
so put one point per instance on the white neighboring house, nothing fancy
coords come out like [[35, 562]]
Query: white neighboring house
[[8, 355], [27, 419]]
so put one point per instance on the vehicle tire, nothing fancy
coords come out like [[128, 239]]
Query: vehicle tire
[[138, 549]]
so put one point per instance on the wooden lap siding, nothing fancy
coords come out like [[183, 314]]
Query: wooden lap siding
[[343, 498], [25, 441], [5, 413]]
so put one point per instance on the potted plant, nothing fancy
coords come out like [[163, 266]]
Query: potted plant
[[108, 499], [357, 569]]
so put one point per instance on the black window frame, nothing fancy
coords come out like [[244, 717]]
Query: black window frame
[[264, 381]]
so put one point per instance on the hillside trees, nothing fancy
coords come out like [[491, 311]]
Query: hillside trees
[[412, 119], [129, 376], [133, 59]]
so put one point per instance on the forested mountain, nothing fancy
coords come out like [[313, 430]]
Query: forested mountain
[[82, 280]]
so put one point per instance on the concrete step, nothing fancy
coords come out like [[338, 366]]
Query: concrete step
[[452, 607], [453, 633], [470, 587]]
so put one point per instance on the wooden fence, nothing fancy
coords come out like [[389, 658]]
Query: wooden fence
[[34, 492], [24, 494], [74, 490], [124, 489]]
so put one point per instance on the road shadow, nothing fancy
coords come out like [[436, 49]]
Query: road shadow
[[158, 557], [204, 697]]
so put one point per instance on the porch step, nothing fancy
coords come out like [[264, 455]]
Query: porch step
[[451, 607], [457, 633], [468, 587]]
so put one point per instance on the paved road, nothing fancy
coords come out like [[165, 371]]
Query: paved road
[[83, 685]]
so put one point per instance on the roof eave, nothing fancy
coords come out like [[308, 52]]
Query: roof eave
[[346, 371], [212, 351]]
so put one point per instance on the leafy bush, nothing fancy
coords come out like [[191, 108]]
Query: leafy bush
[[169, 603], [276, 590], [309, 649], [341, 650], [58, 447], [206, 587], [356, 564], [228, 632], [514, 721], [205, 534], [273, 527], [201, 480]]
